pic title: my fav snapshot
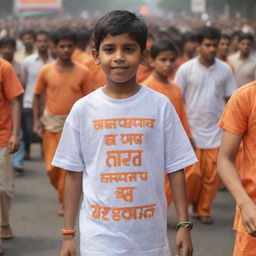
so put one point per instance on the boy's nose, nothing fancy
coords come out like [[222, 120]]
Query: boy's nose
[[119, 56]]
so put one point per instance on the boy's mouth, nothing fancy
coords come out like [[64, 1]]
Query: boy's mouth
[[119, 68]]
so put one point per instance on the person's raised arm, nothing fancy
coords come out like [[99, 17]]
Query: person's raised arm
[[230, 177], [178, 187]]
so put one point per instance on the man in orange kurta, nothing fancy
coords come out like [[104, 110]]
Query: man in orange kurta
[[62, 82], [239, 124], [162, 60], [10, 89]]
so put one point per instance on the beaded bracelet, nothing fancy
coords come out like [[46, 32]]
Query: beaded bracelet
[[68, 231], [185, 224]]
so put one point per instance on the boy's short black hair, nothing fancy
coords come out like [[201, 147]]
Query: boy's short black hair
[[83, 35], [42, 32], [236, 34], [208, 33], [27, 32], [225, 36], [189, 37], [8, 41], [64, 33], [246, 36], [121, 22], [162, 46]]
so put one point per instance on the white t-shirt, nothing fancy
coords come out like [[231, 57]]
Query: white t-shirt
[[123, 146], [204, 91]]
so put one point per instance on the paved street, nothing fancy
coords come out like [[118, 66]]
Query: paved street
[[37, 226]]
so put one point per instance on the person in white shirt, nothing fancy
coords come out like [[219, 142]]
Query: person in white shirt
[[206, 83], [244, 61], [30, 69], [116, 145]]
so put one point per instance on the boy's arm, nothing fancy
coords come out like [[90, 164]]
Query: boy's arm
[[178, 187], [37, 125], [229, 174], [73, 189], [13, 144]]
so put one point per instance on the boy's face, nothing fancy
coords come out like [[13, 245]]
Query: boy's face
[[64, 49], [28, 40], [190, 47], [7, 52], [164, 63], [42, 42], [224, 47], [208, 49], [119, 57], [245, 46]]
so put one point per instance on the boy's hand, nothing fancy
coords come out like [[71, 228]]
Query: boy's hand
[[248, 212], [68, 247], [183, 240], [13, 144], [38, 128]]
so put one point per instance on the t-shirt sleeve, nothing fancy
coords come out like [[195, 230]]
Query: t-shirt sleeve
[[180, 79], [69, 151], [230, 83], [236, 114], [178, 150], [11, 84], [40, 83]]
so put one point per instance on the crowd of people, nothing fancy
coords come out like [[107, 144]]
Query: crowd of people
[[46, 70]]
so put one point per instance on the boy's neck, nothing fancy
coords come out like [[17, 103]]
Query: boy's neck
[[121, 90], [66, 65], [162, 79]]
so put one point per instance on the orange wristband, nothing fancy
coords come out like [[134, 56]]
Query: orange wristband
[[68, 231]]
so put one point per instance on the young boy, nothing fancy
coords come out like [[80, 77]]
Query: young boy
[[63, 82], [163, 55], [116, 144], [239, 124]]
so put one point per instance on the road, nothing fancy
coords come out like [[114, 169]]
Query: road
[[37, 226]]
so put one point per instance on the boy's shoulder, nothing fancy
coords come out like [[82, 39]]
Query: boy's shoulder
[[48, 67], [247, 90]]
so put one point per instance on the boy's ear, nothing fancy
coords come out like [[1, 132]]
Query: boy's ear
[[95, 55], [151, 62], [144, 57]]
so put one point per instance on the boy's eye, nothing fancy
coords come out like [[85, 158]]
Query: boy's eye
[[108, 49], [129, 49]]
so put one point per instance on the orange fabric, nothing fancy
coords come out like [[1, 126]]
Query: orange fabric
[[62, 89], [143, 73], [80, 56], [56, 175], [239, 117], [173, 92], [97, 75], [10, 88], [245, 245], [202, 180]]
